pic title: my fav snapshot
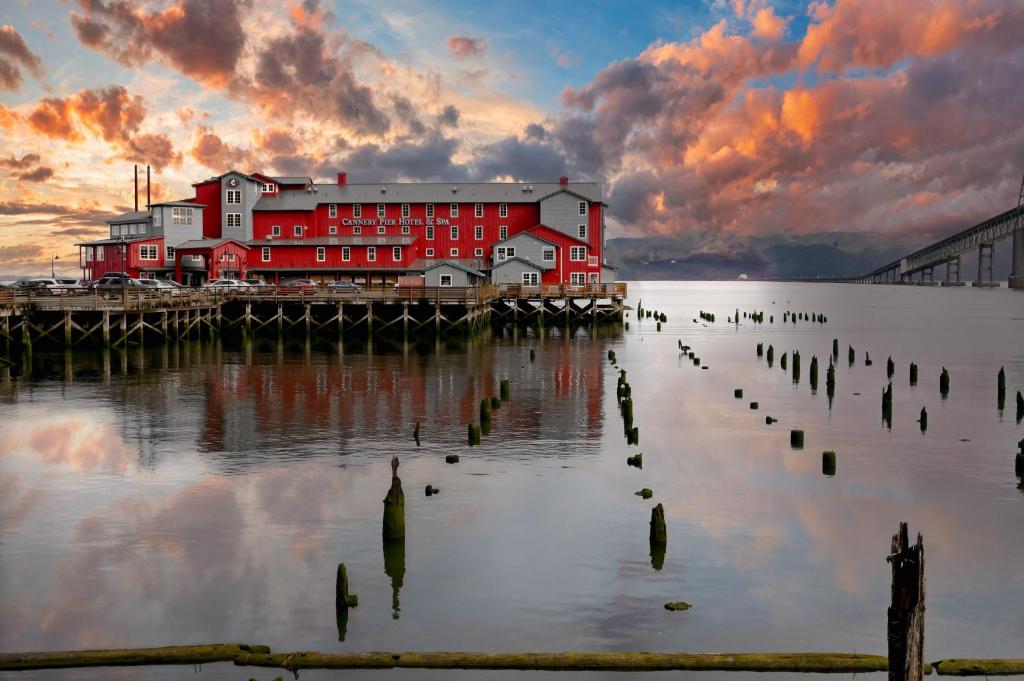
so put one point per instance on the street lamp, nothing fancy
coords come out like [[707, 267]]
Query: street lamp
[[53, 257]]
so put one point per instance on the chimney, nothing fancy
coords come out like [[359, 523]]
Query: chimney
[[135, 170], [342, 179], [147, 186], [563, 180]]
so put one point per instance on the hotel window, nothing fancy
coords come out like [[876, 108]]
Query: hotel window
[[99, 254], [269, 188], [234, 196], [357, 230], [346, 253], [333, 229], [266, 254], [505, 252], [430, 210], [446, 280], [275, 230], [478, 210], [332, 210], [530, 278], [455, 232], [380, 210], [169, 253], [131, 228], [430, 253], [396, 253], [90, 252], [478, 252], [297, 230], [357, 210], [547, 255], [147, 253], [230, 257], [405, 210], [592, 261], [502, 210], [453, 210], [581, 231], [381, 229], [371, 253], [430, 232], [577, 278], [406, 229], [234, 219], [454, 253], [321, 254], [578, 253], [158, 217], [583, 207], [181, 216], [502, 232], [478, 233]]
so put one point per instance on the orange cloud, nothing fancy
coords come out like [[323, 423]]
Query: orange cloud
[[768, 26]]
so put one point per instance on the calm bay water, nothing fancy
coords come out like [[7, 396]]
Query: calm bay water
[[202, 493]]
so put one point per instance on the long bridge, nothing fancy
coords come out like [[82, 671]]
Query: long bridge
[[948, 252]]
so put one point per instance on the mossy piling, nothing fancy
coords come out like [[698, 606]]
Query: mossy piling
[[342, 597], [645, 493], [738, 393], [659, 534], [394, 506], [1001, 389], [796, 438], [923, 419], [828, 463], [505, 390], [636, 460], [814, 373], [944, 383], [913, 373]]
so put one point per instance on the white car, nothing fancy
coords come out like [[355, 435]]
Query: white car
[[161, 286], [54, 287], [226, 285]]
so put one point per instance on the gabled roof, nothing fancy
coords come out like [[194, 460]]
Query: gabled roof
[[562, 188], [230, 172], [188, 203], [204, 244], [131, 216], [522, 260], [554, 231], [456, 264], [424, 192], [527, 232], [292, 179]]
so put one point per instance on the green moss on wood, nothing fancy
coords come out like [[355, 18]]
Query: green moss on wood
[[979, 667], [394, 506], [342, 597], [677, 606], [636, 461], [646, 493], [506, 390], [125, 657], [659, 534]]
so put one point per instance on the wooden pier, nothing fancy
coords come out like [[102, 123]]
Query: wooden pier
[[135, 317]]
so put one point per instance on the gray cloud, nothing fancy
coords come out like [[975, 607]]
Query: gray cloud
[[15, 56]]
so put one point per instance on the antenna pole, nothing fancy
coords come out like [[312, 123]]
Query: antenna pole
[[147, 186], [136, 173]]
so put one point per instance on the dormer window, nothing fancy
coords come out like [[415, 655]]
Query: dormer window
[[269, 188]]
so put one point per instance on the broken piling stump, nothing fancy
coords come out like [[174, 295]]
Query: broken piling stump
[[659, 535], [394, 506], [913, 374], [906, 612], [451, 458], [636, 461], [924, 419], [645, 493], [944, 382], [828, 463], [506, 389], [796, 438]]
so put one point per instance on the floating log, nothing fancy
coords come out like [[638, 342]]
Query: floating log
[[394, 506], [828, 463], [844, 663], [796, 438], [979, 667], [129, 657], [906, 613]]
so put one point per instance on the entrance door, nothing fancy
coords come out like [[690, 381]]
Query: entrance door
[[531, 279]]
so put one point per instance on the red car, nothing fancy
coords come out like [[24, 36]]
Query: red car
[[305, 285]]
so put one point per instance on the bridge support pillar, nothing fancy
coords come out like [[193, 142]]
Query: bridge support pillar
[[953, 271], [985, 252], [928, 274], [1017, 269]]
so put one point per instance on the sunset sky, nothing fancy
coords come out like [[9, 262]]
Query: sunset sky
[[717, 119]]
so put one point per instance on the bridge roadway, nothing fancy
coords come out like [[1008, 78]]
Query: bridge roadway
[[948, 252]]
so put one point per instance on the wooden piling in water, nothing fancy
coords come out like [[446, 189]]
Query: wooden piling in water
[[906, 612], [394, 506], [1001, 389], [944, 382]]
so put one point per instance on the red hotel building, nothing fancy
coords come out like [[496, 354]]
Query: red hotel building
[[279, 228]]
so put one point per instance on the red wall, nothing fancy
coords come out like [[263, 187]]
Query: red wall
[[208, 194], [112, 259]]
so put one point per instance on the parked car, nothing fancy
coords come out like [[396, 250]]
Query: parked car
[[302, 284], [225, 285], [50, 286], [258, 283], [161, 286], [110, 286], [343, 287]]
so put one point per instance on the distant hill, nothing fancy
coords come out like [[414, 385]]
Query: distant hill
[[825, 255]]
